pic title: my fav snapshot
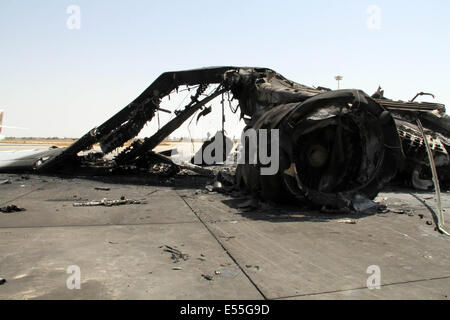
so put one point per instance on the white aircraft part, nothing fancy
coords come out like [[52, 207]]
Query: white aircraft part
[[25, 159]]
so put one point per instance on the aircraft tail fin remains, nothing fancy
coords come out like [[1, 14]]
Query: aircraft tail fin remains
[[2, 115], [1, 120]]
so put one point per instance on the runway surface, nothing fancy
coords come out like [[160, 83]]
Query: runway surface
[[274, 252]]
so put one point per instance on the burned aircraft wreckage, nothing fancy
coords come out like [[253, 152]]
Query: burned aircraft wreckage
[[336, 148]]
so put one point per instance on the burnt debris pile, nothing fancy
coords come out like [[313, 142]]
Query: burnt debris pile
[[316, 146]]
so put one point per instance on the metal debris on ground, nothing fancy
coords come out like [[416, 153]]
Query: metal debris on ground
[[107, 203], [251, 266], [11, 208], [403, 211], [207, 277], [347, 221], [202, 257], [383, 209], [7, 181], [227, 238], [217, 186], [177, 255], [227, 273], [432, 163], [102, 188], [224, 183]]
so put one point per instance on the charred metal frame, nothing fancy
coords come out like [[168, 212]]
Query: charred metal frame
[[338, 148]]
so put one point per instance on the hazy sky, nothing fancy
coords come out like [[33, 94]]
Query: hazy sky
[[63, 82]]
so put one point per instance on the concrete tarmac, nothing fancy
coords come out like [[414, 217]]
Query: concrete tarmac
[[275, 252]]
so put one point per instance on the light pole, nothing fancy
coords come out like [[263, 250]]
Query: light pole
[[338, 78]]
